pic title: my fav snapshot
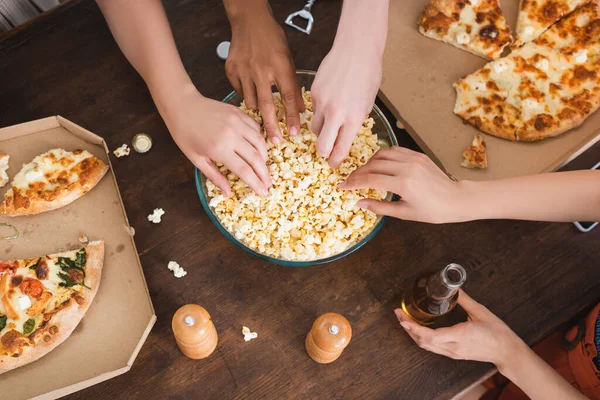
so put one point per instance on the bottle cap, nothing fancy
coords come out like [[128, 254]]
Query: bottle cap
[[223, 50], [141, 143]]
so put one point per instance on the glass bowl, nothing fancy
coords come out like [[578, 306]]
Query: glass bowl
[[386, 137]]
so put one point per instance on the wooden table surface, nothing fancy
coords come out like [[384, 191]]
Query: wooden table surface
[[535, 276]]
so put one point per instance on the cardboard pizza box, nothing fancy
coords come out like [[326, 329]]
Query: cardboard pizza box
[[418, 74], [108, 339]]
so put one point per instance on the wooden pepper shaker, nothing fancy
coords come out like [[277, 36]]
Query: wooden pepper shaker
[[194, 331], [329, 336]]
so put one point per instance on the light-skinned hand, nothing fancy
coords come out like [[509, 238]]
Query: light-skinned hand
[[483, 337], [207, 130], [427, 194], [343, 93]]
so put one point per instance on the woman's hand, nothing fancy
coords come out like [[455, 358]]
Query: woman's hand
[[483, 337], [348, 79], [207, 130], [259, 58], [427, 194]]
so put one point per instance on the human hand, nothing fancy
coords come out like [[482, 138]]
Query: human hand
[[259, 58], [343, 93], [206, 130], [427, 194], [483, 337]]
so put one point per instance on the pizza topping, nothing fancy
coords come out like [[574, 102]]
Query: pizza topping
[[543, 65], [462, 38], [72, 273], [41, 270], [10, 267], [28, 326], [16, 280], [581, 56], [32, 287], [2, 322], [40, 305], [24, 302]]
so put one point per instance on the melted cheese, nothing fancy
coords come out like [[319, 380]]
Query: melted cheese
[[47, 166], [21, 303]]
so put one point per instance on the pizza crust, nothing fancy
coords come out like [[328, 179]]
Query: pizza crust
[[67, 318]]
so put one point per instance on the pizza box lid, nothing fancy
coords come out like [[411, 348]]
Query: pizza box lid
[[108, 339], [418, 74]]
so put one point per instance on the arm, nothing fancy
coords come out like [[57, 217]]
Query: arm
[[349, 77], [485, 337], [428, 195], [259, 57], [202, 128]]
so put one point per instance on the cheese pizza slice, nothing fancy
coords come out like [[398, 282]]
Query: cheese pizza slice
[[542, 89], [52, 180], [42, 300], [477, 26], [536, 16]]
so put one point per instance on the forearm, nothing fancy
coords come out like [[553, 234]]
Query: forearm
[[238, 10], [535, 377], [363, 24], [561, 196], [141, 29]]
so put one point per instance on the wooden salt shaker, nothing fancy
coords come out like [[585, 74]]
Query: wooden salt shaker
[[329, 336], [194, 331]]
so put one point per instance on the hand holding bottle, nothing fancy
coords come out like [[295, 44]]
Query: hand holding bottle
[[483, 337]]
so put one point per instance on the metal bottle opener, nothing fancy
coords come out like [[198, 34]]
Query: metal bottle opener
[[304, 14]]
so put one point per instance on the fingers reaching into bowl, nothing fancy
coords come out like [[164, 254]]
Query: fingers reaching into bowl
[[427, 194], [259, 58], [209, 131]]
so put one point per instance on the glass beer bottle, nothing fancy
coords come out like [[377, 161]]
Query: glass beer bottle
[[434, 294]]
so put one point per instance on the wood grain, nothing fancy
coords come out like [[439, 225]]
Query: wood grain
[[535, 276]]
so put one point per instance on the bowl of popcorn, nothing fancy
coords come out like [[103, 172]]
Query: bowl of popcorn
[[306, 219]]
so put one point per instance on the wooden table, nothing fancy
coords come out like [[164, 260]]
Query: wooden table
[[535, 276]]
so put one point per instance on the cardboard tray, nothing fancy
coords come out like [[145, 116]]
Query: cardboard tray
[[418, 74], [119, 320]]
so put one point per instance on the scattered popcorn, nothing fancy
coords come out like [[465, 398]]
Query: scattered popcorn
[[177, 270], [84, 239], [156, 215], [248, 336], [122, 151], [305, 216]]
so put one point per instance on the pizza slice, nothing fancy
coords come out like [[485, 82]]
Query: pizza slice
[[542, 89], [52, 180], [475, 156], [536, 16], [477, 26], [43, 299]]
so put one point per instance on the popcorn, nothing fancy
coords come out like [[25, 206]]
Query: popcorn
[[122, 151], [156, 215], [305, 215], [177, 270], [248, 335]]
